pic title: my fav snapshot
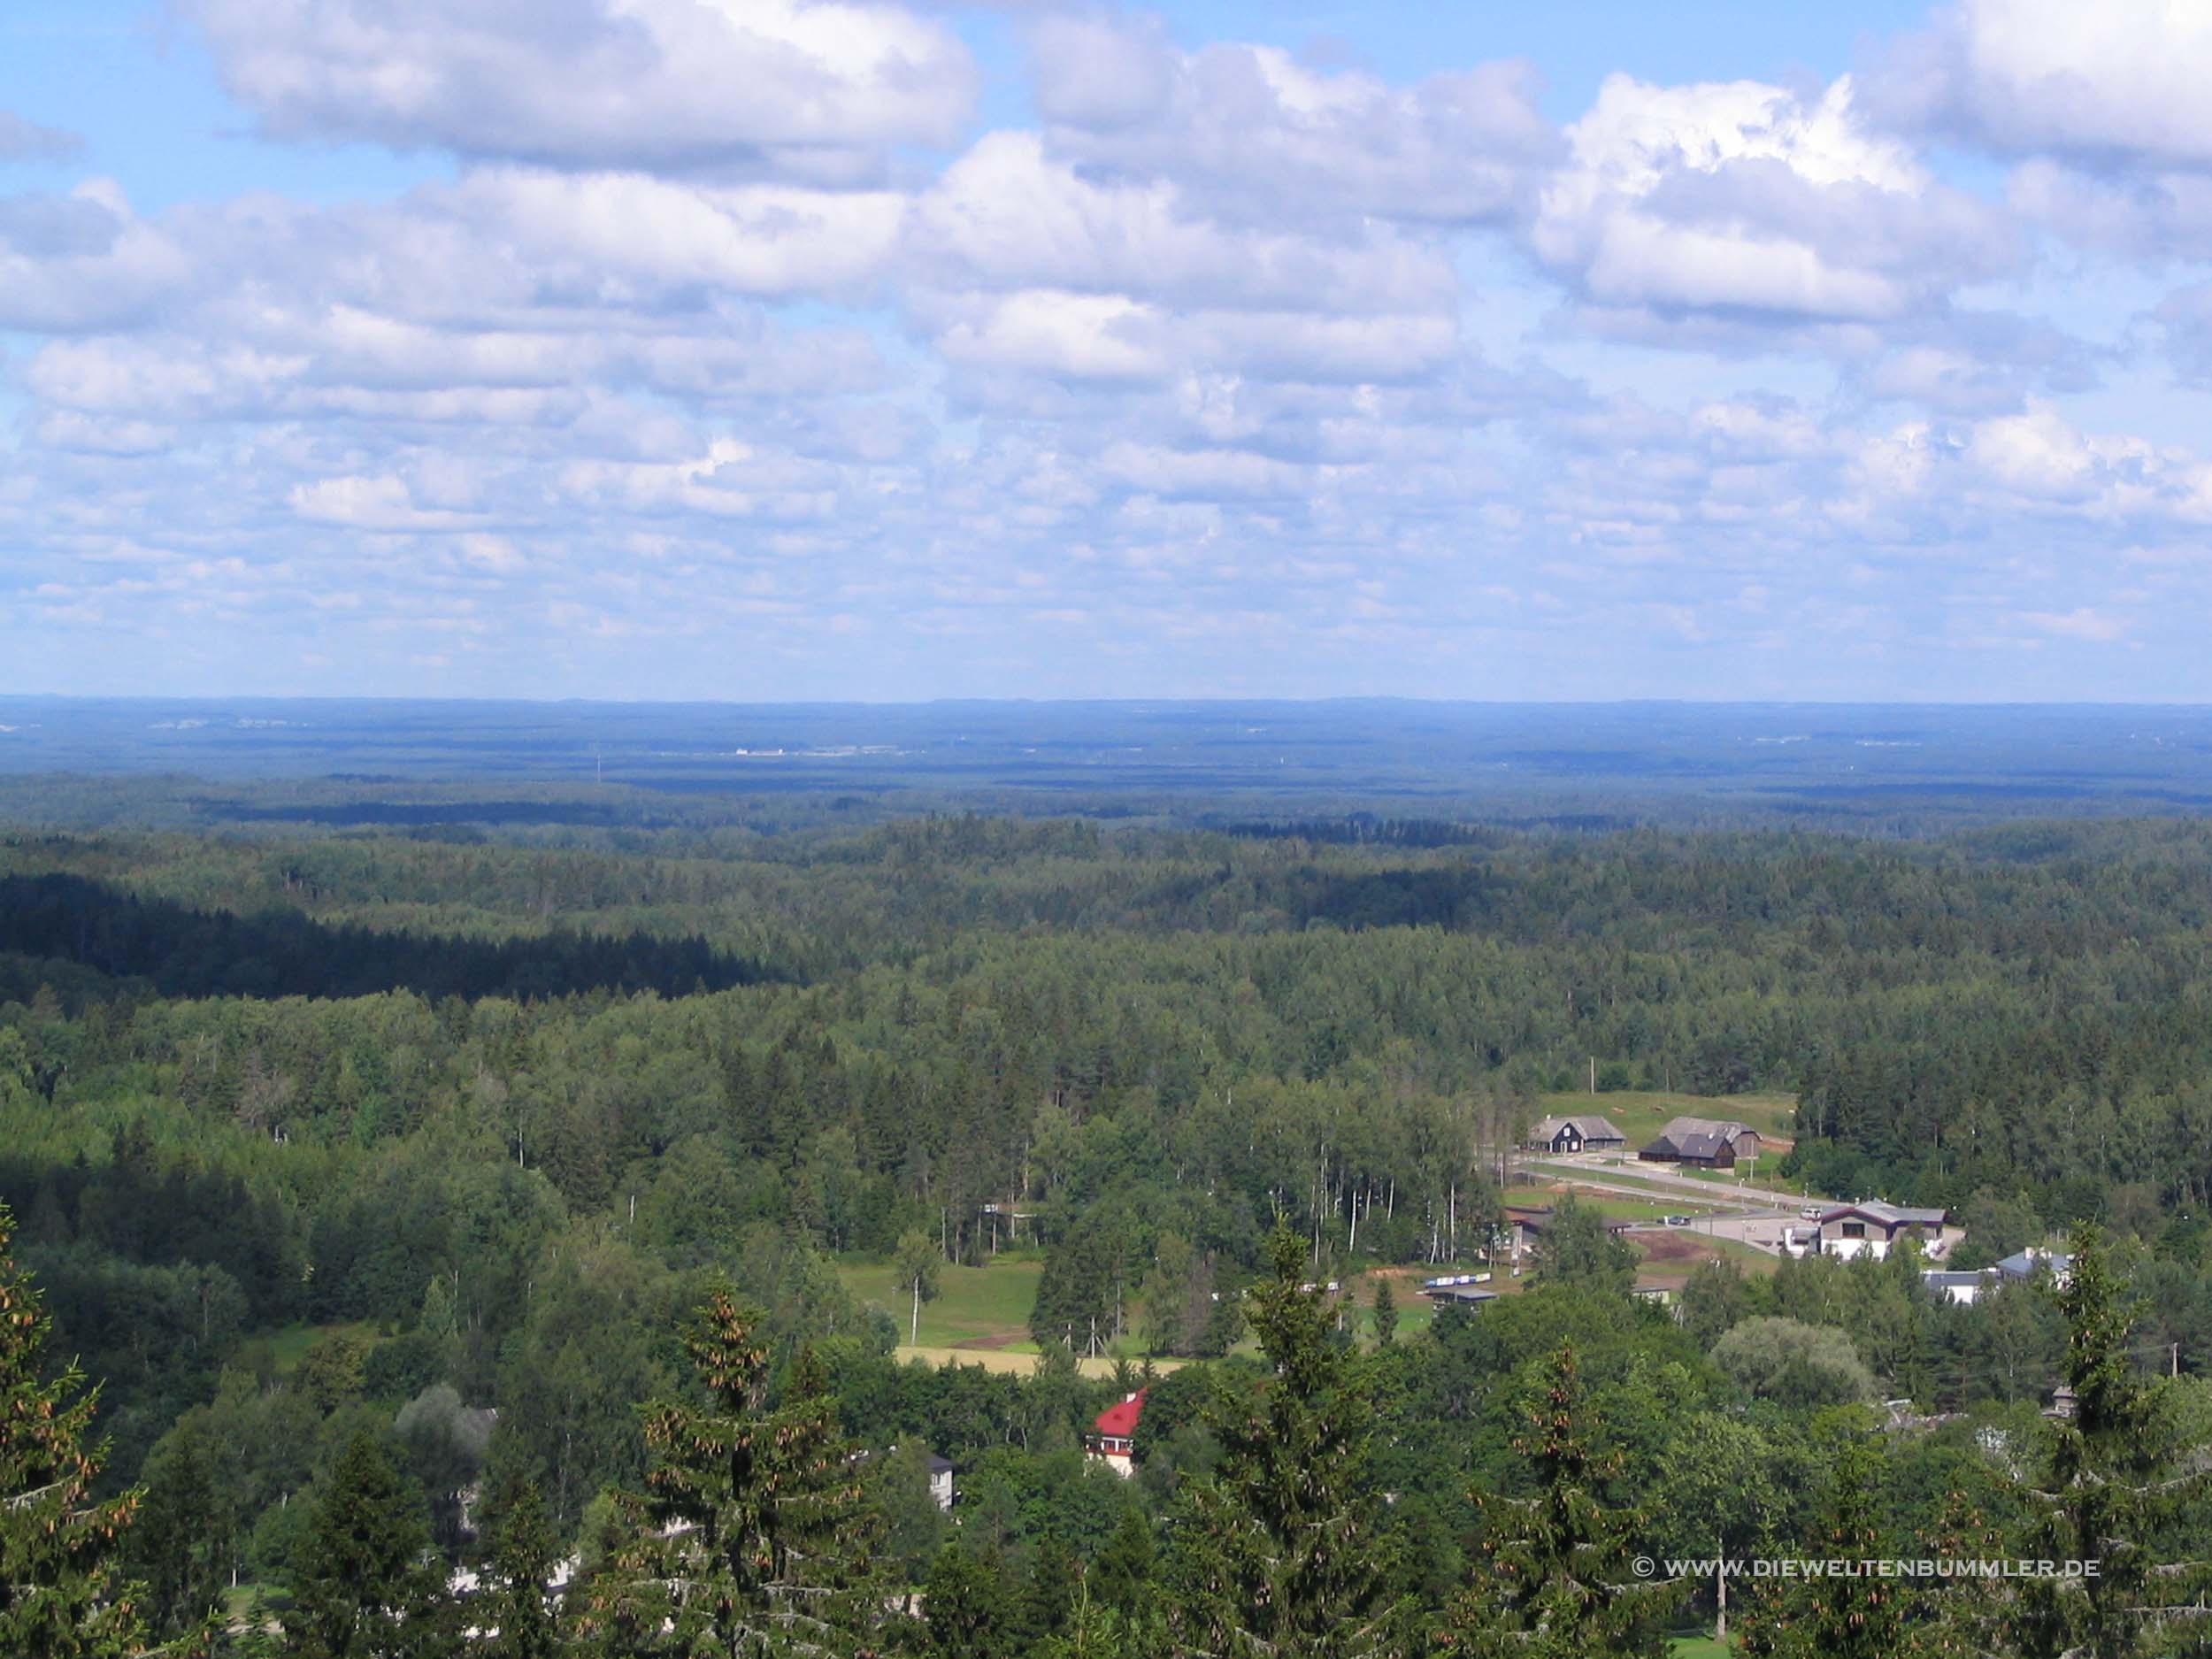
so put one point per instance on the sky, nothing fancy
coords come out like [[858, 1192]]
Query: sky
[[763, 349]]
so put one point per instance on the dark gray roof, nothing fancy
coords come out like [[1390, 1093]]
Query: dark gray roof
[[1891, 1216], [1589, 1128], [1937, 1278], [1468, 1294], [1720, 1128]]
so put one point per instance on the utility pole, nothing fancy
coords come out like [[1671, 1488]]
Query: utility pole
[[1593, 1074]]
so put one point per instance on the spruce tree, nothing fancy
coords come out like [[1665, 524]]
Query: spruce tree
[[180, 1545], [1852, 1615], [968, 1606], [1282, 1552], [523, 1555], [364, 1584], [752, 1535], [2112, 1478], [1385, 1313], [60, 1595], [1560, 1582]]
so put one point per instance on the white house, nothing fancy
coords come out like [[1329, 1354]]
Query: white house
[[1872, 1228], [1957, 1288]]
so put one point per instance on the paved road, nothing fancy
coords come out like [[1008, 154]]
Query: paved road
[[1592, 1169], [1754, 1215]]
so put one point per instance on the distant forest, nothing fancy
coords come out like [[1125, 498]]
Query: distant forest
[[319, 1141]]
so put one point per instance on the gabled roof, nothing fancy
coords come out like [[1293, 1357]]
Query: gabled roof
[[1118, 1421], [2022, 1263], [1704, 1146], [1589, 1126], [1719, 1128], [1886, 1214], [1941, 1278]]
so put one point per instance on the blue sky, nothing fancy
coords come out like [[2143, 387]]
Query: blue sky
[[761, 349]]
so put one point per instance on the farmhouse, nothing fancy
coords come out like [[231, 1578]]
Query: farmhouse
[[1526, 1224], [1959, 1288], [2023, 1265], [1713, 1143], [1573, 1134], [1872, 1228], [1113, 1436]]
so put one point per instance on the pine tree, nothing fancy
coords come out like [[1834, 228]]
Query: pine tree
[[365, 1585], [968, 1605], [524, 1556], [60, 1595], [181, 1542], [1121, 1576], [1560, 1582], [752, 1536], [2112, 1478], [1385, 1313], [1281, 1553], [1856, 1615]]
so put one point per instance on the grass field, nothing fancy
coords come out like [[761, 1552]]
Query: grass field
[[283, 1349], [1696, 1647], [978, 1307], [1004, 1359], [1641, 1113], [1612, 1206]]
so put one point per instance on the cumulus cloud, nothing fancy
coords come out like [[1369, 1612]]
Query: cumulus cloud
[[1239, 366], [82, 261], [1008, 215], [817, 90], [2053, 77], [1255, 132], [1745, 199]]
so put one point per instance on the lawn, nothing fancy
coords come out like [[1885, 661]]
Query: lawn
[[283, 1349], [1612, 1206], [1004, 1359], [1696, 1647], [978, 1307]]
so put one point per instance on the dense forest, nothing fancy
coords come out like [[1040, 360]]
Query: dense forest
[[379, 1182]]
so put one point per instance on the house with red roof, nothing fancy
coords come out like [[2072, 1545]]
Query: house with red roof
[[1113, 1436]]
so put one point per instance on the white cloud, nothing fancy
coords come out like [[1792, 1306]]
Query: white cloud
[[2055, 77], [1739, 197], [383, 504], [1238, 364], [82, 261], [1085, 336], [1008, 215], [804, 89], [1255, 134]]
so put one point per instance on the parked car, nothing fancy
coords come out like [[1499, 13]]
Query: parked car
[[1676, 1221], [1811, 1212]]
